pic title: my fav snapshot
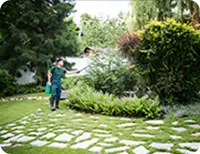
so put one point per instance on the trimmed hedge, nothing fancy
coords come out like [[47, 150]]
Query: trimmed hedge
[[84, 98]]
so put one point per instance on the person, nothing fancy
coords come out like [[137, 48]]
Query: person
[[54, 81]]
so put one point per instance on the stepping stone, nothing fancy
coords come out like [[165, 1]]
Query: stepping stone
[[131, 143], [60, 115], [78, 115], [105, 144], [24, 122], [93, 117], [95, 149], [184, 151], [103, 125], [175, 123], [175, 137], [5, 145], [140, 131], [18, 131], [83, 137], [142, 135], [195, 126], [18, 127], [126, 125], [13, 138], [10, 125], [162, 153], [18, 145], [155, 122], [25, 139], [39, 143], [123, 152], [7, 135], [60, 130], [120, 134], [77, 132], [103, 135], [3, 131], [57, 145], [100, 131], [161, 145], [192, 145], [49, 135], [54, 119], [125, 119], [51, 125], [36, 133], [112, 139], [77, 120], [85, 144], [189, 121], [128, 129], [153, 128], [39, 110], [41, 129], [64, 137], [179, 129], [196, 134], [140, 150], [116, 149]]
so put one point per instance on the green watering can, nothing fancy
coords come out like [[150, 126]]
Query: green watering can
[[47, 89]]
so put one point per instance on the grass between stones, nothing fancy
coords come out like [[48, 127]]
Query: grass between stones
[[37, 121]]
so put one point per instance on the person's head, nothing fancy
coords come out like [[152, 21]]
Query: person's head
[[59, 62]]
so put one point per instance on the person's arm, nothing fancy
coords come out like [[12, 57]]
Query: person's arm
[[49, 78], [71, 72]]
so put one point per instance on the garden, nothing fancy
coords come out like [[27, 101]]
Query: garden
[[141, 92]]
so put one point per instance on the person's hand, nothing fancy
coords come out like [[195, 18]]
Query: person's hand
[[49, 83]]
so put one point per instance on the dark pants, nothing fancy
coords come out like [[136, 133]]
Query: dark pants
[[55, 94]]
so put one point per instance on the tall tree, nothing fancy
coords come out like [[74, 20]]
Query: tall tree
[[34, 33]]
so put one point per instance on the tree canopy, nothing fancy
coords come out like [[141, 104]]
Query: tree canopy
[[34, 33]]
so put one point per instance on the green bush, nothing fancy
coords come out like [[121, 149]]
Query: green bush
[[85, 98], [169, 60], [109, 73], [28, 88]]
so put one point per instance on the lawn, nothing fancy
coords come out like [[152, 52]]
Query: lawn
[[125, 132]]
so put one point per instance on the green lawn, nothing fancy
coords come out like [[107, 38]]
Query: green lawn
[[15, 111]]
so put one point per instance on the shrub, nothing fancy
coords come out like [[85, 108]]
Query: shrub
[[169, 60], [85, 98], [109, 73], [28, 88]]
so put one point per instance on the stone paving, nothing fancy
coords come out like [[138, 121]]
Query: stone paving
[[37, 131]]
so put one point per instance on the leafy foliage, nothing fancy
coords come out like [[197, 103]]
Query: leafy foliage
[[85, 98], [34, 33], [168, 60]]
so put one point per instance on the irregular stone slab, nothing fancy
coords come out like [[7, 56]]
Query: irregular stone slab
[[77, 132], [196, 126], [78, 115], [39, 110], [125, 119], [192, 145], [120, 133], [179, 129], [189, 121], [196, 134], [24, 122], [175, 123], [39, 143], [36, 133], [49, 135], [7, 135], [185, 151], [85, 144], [64, 137], [140, 150], [155, 122], [25, 139], [53, 119], [126, 125], [95, 149], [131, 143], [5, 145], [18, 131], [116, 149], [140, 131], [105, 144], [103, 125], [123, 152], [41, 129], [57, 145], [153, 128], [18, 127], [162, 153], [128, 129], [18, 145], [103, 135], [3, 131], [93, 117], [112, 139], [101, 131], [83, 137], [10, 125], [13, 138], [77, 120], [51, 125], [166, 146], [60, 115], [60, 130], [142, 135], [175, 137]]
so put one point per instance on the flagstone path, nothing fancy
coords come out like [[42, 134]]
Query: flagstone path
[[110, 135]]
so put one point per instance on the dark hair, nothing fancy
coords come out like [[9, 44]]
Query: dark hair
[[58, 60]]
